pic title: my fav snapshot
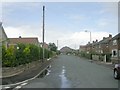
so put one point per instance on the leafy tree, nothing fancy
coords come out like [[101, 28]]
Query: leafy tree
[[52, 47], [9, 58], [34, 52], [26, 53], [20, 57], [22, 54]]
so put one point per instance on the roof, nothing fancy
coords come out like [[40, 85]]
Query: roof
[[30, 40], [3, 35], [116, 36], [105, 41]]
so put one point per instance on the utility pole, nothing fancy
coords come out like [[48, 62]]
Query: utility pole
[[43, 31]]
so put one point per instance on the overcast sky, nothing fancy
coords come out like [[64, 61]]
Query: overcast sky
[[64, 21]]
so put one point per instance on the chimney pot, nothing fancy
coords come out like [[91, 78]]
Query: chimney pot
[[20, 37]]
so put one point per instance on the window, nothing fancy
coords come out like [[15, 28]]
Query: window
[[114, 53], [101, 51], [114, 42]]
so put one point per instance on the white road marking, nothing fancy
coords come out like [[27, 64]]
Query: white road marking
[[47, 73], [6, 87], [18, 87], [23, 84]]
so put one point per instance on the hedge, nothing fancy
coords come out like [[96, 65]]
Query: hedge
[[26, 53]]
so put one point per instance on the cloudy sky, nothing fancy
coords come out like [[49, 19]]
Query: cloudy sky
[[64, 21]]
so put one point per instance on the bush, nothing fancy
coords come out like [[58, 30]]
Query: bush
[[86, 55], [9, 59], [14, 56]]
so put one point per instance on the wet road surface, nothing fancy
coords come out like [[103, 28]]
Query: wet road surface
[[74, 72]]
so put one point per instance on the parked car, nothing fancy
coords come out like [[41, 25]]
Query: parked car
[[117, 71]]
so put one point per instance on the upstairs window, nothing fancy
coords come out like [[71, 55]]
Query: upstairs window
[[114, 42]]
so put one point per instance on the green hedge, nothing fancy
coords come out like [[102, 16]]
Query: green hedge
[[86, 55], [26, 53]]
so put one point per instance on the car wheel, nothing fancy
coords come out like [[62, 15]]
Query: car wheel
[[115, 74]]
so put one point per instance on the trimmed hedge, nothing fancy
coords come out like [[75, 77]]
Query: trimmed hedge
[[22, 54]]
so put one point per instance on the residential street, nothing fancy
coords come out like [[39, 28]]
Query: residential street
[[74, 72]]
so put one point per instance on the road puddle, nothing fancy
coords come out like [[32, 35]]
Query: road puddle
[[64, 81], [46, 72]]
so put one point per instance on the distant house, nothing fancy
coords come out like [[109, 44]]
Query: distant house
[[24, 40], [66, 50], [115, 49], [3, 36], [82, 48]]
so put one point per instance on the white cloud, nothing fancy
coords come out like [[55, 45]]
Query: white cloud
[[66, 38], [71, 39], [24, 31]]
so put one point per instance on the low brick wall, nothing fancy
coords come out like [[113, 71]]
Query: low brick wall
[[11, 71]]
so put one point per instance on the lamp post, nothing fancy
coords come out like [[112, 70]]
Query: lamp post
[[90, 44], [90, 35]]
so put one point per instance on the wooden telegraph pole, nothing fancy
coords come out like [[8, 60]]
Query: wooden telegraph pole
[[43, 31]]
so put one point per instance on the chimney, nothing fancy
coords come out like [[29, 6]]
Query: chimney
[[110, 35], [20, 37], [104, 38], [96, 40]]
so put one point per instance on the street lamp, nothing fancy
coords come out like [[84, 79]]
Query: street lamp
[[90, 35], [90, 44]]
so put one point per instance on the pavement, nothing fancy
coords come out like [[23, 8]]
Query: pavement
[[27, 74], [105, 64]]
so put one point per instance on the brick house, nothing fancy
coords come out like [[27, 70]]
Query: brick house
[[86, 48], [99, 49], [102, 48], [94, 48], [89, 48], [46, 46], [3, 36], [28, 40], [115, 49], [82, 48]]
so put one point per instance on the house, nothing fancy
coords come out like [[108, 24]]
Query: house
[[104, 45], [3, 36], [94, 48], [101, 49], [66, 50], [88, 48], [115, 49], [46, 46], [82, 48], [24, 40]]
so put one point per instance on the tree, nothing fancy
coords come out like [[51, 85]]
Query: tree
[[9, 57], [52, 47]]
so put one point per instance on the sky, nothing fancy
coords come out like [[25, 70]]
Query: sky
[[64, 21]]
